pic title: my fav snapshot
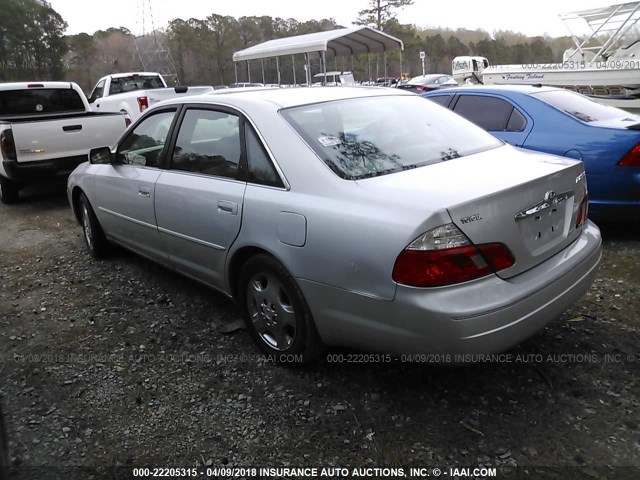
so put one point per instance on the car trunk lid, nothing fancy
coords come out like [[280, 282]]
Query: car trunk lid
[[525, 200]]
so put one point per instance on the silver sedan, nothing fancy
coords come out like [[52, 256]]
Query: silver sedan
[[359, 217]]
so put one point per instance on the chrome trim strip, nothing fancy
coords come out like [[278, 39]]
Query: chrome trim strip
[[124, 217], [550, 200], [191, 239]]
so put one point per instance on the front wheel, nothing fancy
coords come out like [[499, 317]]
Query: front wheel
[[9, 191], [94, 238], [276, 313]]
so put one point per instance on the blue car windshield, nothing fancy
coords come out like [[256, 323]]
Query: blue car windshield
[[579, 106], [372, 136]]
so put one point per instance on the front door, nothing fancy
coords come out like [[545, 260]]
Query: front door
[[126, 189]]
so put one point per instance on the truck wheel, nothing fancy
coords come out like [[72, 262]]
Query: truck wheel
[[276, 313], [8, 191], [94, 237]]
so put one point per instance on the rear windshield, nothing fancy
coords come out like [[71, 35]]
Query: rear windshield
[[134, 82], [40, 100], [579, 106], [367, 137]]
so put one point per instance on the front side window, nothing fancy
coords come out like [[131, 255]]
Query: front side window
[[208, 142], [491, 113], [142, 146], [97, 92], [367, 137], [441, 99]]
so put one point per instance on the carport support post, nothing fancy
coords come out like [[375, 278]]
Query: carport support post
[[384, 59], [293, 67], [235, 67], [400, 76], [278, 69], [262, 66], [369, 66], [324, 67], [307, 69], [248, 71]]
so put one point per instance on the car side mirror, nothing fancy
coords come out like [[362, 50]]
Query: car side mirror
[[100, 156]]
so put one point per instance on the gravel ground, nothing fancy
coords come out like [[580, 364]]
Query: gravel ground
[[120, 363]]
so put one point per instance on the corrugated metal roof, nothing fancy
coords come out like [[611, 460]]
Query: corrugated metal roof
[[344, 41]]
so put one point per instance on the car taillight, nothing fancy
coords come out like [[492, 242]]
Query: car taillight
[[7, 145], [143, 103], [583, 210], [444, 256], [632, 158], [422, 88]]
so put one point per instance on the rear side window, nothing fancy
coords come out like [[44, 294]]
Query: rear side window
[[491, 113], [40, 101], [579, 106], [208, 143], [261, 170]]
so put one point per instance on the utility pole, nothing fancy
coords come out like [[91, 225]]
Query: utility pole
[[151, 49]]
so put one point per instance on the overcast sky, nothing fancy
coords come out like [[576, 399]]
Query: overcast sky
[[532, 18]]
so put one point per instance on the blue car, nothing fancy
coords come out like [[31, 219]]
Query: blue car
[[564, 123]]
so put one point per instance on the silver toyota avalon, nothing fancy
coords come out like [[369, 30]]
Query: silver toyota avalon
[[358, 217]]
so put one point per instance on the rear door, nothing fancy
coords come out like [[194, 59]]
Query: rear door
[[126, 189], [496, 115], [199, 199]]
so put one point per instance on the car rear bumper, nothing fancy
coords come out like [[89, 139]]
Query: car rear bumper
[[24, 172], [483, 316]]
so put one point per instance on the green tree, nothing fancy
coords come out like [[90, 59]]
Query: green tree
[[380, 11], [32, 44]]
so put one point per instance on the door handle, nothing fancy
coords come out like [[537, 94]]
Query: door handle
[[225, 206], [144, 191], [71, 128]]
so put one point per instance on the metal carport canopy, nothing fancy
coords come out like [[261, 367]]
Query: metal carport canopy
[[344, 41]]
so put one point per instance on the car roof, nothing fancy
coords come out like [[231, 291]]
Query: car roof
[[522, 89], [285, 97]]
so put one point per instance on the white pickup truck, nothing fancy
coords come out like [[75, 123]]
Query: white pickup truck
[[47, 130], [132, 93]]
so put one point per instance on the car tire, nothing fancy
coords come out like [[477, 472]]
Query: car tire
[[9, 191], [94, 237], [4, 448], [275, 312]]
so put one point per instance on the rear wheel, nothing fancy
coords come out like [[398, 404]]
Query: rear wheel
[[94, 238], [9, 191], [276, 313]]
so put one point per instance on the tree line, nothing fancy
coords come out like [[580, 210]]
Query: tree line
[[202, 49]]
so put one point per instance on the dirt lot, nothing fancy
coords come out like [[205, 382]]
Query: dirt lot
[[120, 363]]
